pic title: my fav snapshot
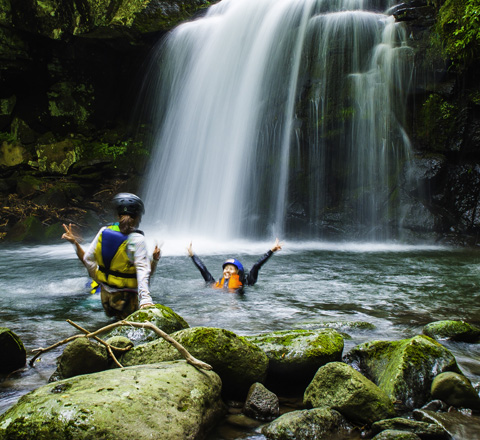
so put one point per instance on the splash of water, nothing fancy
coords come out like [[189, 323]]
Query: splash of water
[[273, 114]]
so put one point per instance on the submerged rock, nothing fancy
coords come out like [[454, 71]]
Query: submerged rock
[[453, 330], [13, 353], [161, 316], [173, 400], [296, 355], [341, 387], [394, 434], [456, 390], [316, 423], [457, 425], [424, 430], [403, 369], [237, 361]]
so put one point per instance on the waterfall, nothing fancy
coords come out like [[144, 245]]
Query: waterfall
[[279, 116]]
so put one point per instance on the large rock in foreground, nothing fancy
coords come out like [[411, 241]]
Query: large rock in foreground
[[237, 361], [341, 387], [170, 401], [296, 355], [403, 369]]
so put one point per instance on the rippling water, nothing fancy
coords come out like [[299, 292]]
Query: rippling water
[[397, 288]]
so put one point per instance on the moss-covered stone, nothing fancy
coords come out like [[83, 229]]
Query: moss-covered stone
[[173, 399], [13, 353], [316, 423], [161, 316], [57, 157], [456, 390], [403, 369], [394, 434], [296, 355], [12, 154], [81, 356], [29, 229], [453, 330], [422, 429], [341, 387], [237, 361]]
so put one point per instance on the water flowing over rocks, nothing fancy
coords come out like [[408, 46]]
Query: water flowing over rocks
[[403, 369], [237, 361], [13, 353], [341, 387], [423, 430], [172, 398]]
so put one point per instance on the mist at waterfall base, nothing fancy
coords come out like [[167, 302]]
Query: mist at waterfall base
[[280, 117]]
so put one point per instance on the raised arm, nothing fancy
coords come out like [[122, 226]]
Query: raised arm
[[73, 238], [253, 274], [207, 276]]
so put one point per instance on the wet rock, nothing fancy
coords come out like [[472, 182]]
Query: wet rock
[[456, 424], [341, 387], [173, 399], [13, 353], [452, 330], [161, 316], [119, 342], [29, 230], [455, 390], [393, 434], [316, 423], [403, 369], [237, 361], [424, 430], [81, 356], [435, 405], [296, 355], [261, 404], [242, 421]]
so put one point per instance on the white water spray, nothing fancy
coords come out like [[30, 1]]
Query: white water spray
[[268, 108]]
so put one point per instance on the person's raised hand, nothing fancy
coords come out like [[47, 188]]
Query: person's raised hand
[[190, 250], [69, 235], [277, 246]]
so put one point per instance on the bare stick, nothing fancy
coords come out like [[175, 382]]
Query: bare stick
[[188, 357], [183, 351], [109, 347]]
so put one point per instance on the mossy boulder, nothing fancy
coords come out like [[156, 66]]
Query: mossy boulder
[[341, 387], [404, 369], [316, 423], [29, 229], [161, 316], [172, 400], [452, 330], [13, 353], [424, 430], [81, 356], [296, 355], [237, 361], [456, 390]]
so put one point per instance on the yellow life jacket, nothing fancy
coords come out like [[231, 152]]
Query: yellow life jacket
[[114, 266], [233, 283]]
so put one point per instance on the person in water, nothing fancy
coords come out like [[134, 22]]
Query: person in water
[[117, 259], [234, 277]]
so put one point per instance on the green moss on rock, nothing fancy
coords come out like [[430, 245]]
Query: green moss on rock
[[453, 330]]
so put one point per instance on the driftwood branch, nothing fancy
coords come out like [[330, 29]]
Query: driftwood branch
[[182, 350]]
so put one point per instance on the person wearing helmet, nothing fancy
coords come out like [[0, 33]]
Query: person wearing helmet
[[234, 277], [117, 259]]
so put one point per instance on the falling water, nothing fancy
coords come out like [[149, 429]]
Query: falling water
[[279, 116]]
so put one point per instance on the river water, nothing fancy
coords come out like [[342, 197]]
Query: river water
[[306, 285]]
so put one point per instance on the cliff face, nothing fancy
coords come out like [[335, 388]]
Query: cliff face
[[70, 72]]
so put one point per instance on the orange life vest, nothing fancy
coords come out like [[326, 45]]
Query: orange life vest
[[233, 283]]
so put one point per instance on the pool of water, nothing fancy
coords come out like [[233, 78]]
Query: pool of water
[[397, 288]]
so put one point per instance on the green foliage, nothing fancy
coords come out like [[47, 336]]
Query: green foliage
[[437, 121], [7, 137], [119, 149], [459, 29]]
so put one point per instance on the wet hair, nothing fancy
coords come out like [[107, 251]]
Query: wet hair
[[127, 224]]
